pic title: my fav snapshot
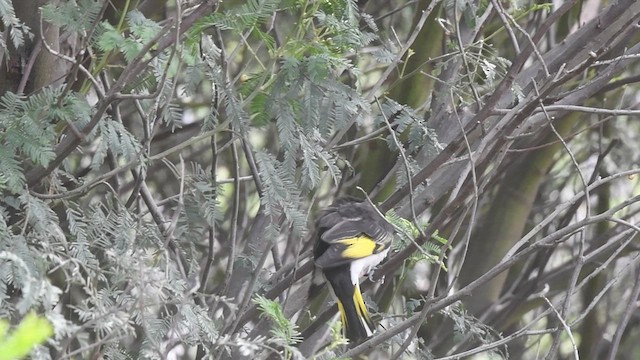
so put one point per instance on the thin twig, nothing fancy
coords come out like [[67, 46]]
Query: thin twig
[[507, 26], [580, 255], [390, 68], [234, 218], [578, 108], [465, 61], [567, 328], [407, 169], [159, 43]]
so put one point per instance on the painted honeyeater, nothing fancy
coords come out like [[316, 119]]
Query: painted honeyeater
[[352, 238]]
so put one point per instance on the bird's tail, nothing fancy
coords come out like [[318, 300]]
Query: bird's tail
[[355, 318]]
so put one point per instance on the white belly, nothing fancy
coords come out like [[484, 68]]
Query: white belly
[[363, 266]]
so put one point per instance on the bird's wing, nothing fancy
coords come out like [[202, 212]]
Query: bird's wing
[[350, 230], [351, 219]]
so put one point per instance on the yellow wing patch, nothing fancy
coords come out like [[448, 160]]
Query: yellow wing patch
[[358, 247]]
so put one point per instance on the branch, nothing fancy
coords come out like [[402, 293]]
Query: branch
[[159, 43]]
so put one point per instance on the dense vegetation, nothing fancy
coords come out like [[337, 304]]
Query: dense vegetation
[[161, 164]]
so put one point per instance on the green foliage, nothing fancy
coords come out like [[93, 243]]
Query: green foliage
[[408, 232], [76, 16], [129, 41], [129, 278], [28, 127], [202, 202], [408, 123], [33, 330], [285, 333], [281, 194], [141, 31], [111, 255], [246, 16], [109, 38], [108, 251], [114, 137], [337, 341], [340, 35], [18, 31], [468, 325]]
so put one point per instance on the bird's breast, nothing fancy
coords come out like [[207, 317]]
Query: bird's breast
[[363, 266]]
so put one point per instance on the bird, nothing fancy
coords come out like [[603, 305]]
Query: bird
[[352, 238]]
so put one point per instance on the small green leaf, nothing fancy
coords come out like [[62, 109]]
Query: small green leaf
[[32, 331]]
